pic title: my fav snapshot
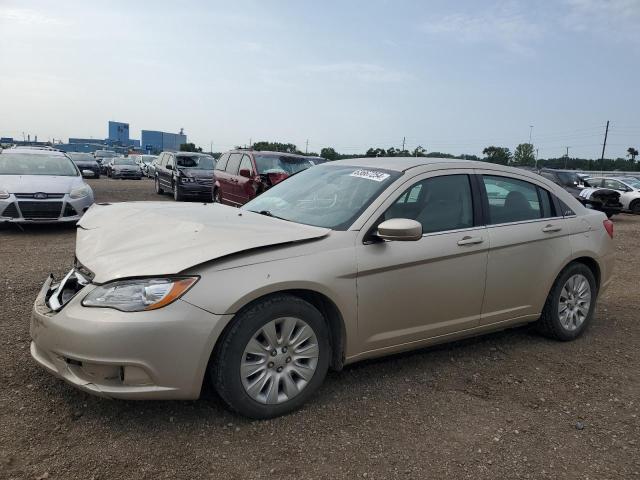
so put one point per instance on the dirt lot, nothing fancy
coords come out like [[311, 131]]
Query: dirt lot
[[507, 405]]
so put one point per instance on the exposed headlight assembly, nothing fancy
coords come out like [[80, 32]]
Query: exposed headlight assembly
[[81, 191], [139, 294], [186, 179]]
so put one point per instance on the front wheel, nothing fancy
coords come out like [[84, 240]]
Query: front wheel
[[177, 195], [273, 358], [159, 189], [570, 305], [635, 207]]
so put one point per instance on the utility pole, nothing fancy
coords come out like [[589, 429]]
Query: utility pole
[[536, 158], [403, 139], [306, 147], [604, 145], [566, 157], [211, 146], [530, 132], [251, 143]]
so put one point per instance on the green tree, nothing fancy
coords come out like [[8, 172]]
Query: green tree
[[524, 156], [275, 147], [329, 153], [376, 152], [189, 147], [632, 153], [418, 151], [500, 155]]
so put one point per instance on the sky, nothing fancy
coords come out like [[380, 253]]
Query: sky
[[452, 77]]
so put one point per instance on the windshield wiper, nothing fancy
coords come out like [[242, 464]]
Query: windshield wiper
[[267, 213]]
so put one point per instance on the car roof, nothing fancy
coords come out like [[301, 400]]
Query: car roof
[[402, 164], [35, 151], [269, 152]]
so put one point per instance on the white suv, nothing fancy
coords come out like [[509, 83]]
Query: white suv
[[628, 187]]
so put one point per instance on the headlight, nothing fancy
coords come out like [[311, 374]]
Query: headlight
[[81, 191], [138, 295], [4, 194], [186, 179]]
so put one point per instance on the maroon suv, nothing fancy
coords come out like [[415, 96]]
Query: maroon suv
[[241, 175]]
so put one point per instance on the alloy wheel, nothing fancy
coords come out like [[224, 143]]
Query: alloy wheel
[[575, 302], [279, 361]]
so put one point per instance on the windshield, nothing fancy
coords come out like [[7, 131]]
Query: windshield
[[147, 159], [201, 162], [325, 196], [633, 183], [81, 157], [105, 154], [124, 161], [30, 164], [281, 164], [568, 178]]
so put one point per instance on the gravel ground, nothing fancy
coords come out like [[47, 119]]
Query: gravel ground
[[506, 405]]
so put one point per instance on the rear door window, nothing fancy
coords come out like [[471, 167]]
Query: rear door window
[[511, 200], [222, 162], [234, 163]]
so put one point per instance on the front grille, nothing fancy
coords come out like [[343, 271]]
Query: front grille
[[205, 181], [11, 211], [30, 195], [36, 210]]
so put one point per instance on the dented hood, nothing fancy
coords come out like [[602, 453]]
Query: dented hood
[[134, 239]]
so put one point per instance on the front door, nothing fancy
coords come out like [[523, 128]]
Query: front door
[[414, 290]]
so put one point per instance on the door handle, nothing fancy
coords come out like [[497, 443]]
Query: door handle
[[470, 240], [551, 228]]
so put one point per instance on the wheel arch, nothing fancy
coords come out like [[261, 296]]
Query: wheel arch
[[327, 307]]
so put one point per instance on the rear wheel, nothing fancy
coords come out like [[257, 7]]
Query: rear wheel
[[273, 358], [159, 189], [570, 305]]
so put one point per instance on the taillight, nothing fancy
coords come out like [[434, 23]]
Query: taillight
[[608, 226]]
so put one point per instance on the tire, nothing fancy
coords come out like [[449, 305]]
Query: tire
[[217, 197], [177, 196], [551, 323], [159, 189], [265, 402], [635, 207]]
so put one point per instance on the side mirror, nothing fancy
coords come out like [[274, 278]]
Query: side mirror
[[169, 167], [400, 229], [245, 172]]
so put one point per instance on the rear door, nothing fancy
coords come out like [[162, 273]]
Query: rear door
[[529, 243]]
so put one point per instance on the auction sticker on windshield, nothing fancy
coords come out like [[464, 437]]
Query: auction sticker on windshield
[[374, 175]]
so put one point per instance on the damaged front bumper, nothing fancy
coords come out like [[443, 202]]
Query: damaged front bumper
[[158, 354]]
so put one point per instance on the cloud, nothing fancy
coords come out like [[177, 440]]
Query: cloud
[[23, 16], [364, 72], [616, 19], [505, 29]]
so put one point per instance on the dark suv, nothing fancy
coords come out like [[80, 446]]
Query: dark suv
[[242, 175], [184, 174], [603, 199]]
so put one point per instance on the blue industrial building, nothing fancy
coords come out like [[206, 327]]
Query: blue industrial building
[[118, 133], [155, 142]]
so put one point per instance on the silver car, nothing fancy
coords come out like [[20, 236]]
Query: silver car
[[41, 186], [348, 260]]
